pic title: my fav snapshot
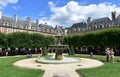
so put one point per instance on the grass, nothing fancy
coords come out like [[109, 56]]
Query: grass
[[8, 70], [107, 70]]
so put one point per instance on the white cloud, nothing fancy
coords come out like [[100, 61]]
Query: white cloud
[[5, 2], [51, 4], [16, 7], [73, 12], [42, 13]]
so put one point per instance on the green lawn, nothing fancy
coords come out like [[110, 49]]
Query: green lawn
[[8, 70], [107, 70]]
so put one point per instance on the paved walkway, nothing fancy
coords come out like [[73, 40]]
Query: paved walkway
[[51, 69]]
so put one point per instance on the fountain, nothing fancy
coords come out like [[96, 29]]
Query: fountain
[[59, 47], [58, 55]]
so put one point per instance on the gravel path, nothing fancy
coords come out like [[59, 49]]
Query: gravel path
[[52, 69]]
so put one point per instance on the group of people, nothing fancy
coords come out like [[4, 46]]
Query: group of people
[[29, 53], [110, 54]]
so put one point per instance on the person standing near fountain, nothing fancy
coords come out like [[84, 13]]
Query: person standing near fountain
[[39, 52], [107, 54], [112, 55]]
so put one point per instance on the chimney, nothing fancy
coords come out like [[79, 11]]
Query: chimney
[[28, 21], [15, 20], [37, 22], [113, 15], [0, 14], [46, 23], [88, 20], [15, 17]]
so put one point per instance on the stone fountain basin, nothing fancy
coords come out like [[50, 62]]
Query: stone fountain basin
[[52, 60]]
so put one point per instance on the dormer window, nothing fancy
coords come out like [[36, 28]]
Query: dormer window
[[5, 23], [107, 25], [101, 22], [95, 27], [95, 23], [101, 26]]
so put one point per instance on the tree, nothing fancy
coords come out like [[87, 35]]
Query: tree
[[3, 40], [37, 40], [19, 40]]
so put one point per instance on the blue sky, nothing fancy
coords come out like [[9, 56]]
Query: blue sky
[[59, 12]]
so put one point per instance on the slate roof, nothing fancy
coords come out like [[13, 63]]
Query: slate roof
[[117, 20], [34, 25], [21, 23], [104, 21], [81, 25], [7, 19], [45, 26]]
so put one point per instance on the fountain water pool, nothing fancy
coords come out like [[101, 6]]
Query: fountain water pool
[[58, 57], [52, 60]]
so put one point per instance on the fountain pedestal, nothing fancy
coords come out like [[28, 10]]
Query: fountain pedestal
[[59, 51], [58, 47], [58, 55]]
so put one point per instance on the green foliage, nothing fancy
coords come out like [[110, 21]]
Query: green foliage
[[3, 40], [67, 40], [44, 52], [48, 40], [106, 37], [26, 40], [71, 52], [37, 40], [19, 40]]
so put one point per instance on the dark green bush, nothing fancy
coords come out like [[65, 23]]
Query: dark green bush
[[3, 40], [106, 37]]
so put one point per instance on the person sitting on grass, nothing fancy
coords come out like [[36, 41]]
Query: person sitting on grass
[[91, 54], [29, 55]]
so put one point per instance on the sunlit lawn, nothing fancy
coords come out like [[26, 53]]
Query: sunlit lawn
[[8, 70], [109, 69]]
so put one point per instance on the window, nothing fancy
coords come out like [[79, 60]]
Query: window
[[107, 25], [95, 23], [94, 27], [101, 21], [101, 26], [5, 23], [79, 29], [5, 30]]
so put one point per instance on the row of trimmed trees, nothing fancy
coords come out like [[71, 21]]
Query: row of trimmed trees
[[106, 38], [103, 38], [25, 40]]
